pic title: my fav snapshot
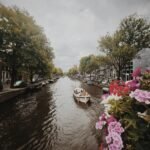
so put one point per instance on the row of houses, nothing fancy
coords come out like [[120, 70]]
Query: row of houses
[[108, 72], [5, 74], [141, 60]]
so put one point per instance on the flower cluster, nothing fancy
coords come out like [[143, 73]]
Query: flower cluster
[[114, 131], [147, 74], [102, 122], [118, 88], [122, 100], [132, 84], [136, 72], [106, 102], [141, 96], [113, 139]]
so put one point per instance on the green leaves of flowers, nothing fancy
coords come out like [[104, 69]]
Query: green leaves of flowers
[[136, 129]]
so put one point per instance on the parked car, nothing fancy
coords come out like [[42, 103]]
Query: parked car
[[20, 84]]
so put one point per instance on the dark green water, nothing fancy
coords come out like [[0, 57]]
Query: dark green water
[[50, 119]]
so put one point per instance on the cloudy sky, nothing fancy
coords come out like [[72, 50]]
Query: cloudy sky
[[74, 26]]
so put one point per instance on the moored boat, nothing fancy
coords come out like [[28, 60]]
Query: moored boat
[[51, 81], [90, 82], [80, 95]]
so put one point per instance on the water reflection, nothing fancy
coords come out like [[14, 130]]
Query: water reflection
[[49, 120]]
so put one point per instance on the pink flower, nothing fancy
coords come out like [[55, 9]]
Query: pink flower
[[100, 124], [141, 96], [112, 147], [136, 72], [111, 119], [133, 84], [104, 96], [108, 139], [115, 127], [102, 117], [116, 137], [117, 141]]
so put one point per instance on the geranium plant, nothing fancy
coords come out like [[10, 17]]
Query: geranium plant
[[118, 88], [113, 132], [125, 123]]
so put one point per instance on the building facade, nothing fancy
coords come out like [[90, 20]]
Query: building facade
[[5, 74], [142, 60]]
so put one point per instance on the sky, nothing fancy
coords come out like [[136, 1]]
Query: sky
[[74, 26]]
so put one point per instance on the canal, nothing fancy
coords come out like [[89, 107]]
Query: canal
[[50, 119]]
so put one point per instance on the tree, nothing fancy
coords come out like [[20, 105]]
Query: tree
[[23, 44], [56, 71], [135, 32], [120, 48], [118, 54], [73, 71], [83, 64], [89, 64]]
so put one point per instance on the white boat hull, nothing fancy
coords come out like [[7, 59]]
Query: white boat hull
[[82, 99]]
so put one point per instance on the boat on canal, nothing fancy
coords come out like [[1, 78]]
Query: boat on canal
[[80, 95], [90, 82]]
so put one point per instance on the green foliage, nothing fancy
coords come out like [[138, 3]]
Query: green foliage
[[23, 45], [73, 71], [135, 31], [132, 36], [145, 83], [89, 64], [116, 51], [57, 71], [137, 130]]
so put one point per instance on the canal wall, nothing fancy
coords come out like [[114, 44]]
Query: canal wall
[[11, 93]]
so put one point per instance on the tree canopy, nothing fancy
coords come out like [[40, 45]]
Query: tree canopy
[[135, 32], [120, 48], [88, 64], [23, 44], [73, 71]]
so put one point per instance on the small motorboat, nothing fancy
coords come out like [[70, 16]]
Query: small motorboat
[[90, 82], [80, 95]]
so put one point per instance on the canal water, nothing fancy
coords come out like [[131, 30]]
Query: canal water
[[50, 119]]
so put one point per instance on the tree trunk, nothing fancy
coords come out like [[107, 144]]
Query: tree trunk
[[118, 74], [31, 76], [13, 73], [13, 76]]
